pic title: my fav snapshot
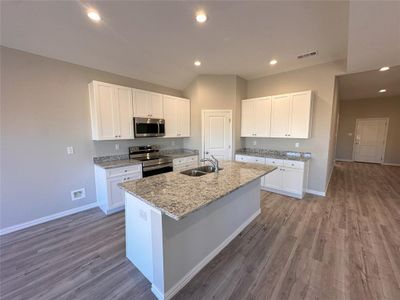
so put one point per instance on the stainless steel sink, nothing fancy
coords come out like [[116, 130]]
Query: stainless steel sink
[[200, 171]]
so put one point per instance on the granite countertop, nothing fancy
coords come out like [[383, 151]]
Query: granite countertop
[[288, 155], [117, 161], [178, 195]]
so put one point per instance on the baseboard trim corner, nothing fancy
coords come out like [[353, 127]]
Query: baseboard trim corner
[[47, 218], [344, 159], [391, 164], [314, 192]]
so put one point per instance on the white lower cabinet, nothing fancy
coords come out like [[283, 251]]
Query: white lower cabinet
[[290, 178], [109, 195], [185, 163]]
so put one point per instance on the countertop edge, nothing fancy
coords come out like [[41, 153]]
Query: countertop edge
[[176, 218]]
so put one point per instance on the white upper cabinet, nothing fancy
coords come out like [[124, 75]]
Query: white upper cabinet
[[300, 122], [256, 117], [148, 104], [177, 116], [291, 115], [111, 111], [280, 115]]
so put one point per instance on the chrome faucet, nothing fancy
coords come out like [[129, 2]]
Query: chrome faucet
[[213, 161]]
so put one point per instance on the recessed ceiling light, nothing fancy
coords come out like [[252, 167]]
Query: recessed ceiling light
[[383, 69], [94, 16], [273, 62], [382, 91], [201, 17], [197, 63]]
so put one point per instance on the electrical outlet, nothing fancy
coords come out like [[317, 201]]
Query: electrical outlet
[[70, 150], [172, 143], [78, 194], [297, 145], [350, 134], [254, 143], [116, 146]]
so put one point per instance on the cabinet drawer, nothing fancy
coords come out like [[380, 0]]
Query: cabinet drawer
[[294, 164], [124, 170], [240, 157], [191, 158], [274, 162]]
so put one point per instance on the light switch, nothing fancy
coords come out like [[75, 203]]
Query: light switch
[[172, 143], [350, 134], [254, 143], [70, 150], [297, 145], [116, 146]]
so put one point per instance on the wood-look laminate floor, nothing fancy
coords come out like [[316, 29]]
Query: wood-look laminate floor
[[343, 246]]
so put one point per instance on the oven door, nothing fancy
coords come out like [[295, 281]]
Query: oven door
[[146, 127], [158, 169]]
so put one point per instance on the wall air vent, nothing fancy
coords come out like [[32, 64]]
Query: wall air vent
[[304, 55]]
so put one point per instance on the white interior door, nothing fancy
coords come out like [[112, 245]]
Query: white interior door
[[217, 134], [370, 139]]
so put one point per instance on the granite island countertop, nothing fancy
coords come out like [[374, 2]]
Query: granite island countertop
[[179, 195]]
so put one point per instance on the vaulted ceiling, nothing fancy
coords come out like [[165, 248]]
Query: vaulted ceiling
[[158, 41]]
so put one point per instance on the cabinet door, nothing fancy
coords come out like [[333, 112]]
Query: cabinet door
[[106, 121], [170, 116], [156, 106], [116, 196], [300, 115], [274, 179], [292, 180], [248, 125], [262, 117], [280, 115], [124, 112], [142, 104], [183, 117]]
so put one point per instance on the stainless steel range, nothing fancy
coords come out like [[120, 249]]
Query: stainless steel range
[[153, 162]]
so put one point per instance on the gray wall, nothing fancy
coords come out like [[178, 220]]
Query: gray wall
[[333, 133], [44, 109], [383, 107], [214, 92], [320, 79]]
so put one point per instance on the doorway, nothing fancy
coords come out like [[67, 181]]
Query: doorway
[[217, 134], [370, 140]]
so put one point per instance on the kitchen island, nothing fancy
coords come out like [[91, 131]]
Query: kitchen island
[[175, 223]]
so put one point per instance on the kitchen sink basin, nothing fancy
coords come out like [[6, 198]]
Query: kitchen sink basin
[[200, 171]]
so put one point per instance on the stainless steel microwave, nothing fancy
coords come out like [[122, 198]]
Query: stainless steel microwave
[[148, 127]]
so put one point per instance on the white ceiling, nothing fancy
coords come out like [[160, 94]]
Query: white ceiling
[[158, 41], [374, 35], [367, 84]]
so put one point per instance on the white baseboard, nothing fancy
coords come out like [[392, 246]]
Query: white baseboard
[[189, 275], [298, 196], [314, 192], [391, 164], [344, 159], [47, 218]]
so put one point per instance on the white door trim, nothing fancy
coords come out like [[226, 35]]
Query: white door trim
[[385, 138], [203, 113]]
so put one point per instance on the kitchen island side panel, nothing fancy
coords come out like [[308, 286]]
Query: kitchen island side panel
[[201, 235]]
